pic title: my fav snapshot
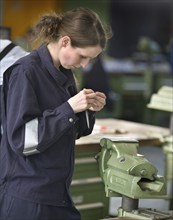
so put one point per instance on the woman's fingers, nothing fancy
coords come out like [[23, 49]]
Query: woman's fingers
[[87, 99]]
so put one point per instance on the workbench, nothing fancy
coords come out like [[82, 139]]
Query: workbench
[[87, 188], [145, 134]]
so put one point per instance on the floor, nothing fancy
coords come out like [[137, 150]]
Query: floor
[[156, 156]]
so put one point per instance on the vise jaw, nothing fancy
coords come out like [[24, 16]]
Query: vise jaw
[[125, 172]]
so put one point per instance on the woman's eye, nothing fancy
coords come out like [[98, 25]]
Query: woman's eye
[[83, 57]]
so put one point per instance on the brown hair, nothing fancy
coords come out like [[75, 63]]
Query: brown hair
[[82, 25]]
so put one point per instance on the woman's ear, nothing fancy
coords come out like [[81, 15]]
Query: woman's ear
[[65, 41]]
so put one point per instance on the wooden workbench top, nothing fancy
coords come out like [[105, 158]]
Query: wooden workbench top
[[105, 128]]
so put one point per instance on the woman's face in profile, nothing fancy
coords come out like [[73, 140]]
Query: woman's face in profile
[[76, 57]]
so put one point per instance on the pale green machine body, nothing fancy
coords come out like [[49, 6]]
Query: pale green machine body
[[128, 174]]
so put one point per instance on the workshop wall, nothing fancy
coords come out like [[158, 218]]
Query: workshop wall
[[100, 6], [21, 14]]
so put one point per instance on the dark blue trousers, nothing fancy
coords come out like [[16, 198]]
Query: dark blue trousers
[[12, 208]]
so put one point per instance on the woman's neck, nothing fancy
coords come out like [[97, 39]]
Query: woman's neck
[[53, 50]]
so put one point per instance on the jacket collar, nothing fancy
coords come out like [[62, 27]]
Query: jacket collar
[[62, 76]]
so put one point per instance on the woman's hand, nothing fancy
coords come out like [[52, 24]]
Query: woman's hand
[[87, 99], [99, 102]]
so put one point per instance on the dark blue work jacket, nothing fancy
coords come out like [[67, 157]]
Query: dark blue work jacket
[[39, 130]]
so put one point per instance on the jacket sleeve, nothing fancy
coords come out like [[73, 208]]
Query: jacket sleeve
[[86, 123], [30, 130]]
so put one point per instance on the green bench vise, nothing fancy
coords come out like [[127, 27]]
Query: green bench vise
[[128, 174]]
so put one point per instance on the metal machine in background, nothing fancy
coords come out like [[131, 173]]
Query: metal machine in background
[[128, 174], [163, 101]]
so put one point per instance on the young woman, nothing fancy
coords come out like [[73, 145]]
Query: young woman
[[43, 114]]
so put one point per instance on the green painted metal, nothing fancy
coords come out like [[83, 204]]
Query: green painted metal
[[125, 172], [144, 214]]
